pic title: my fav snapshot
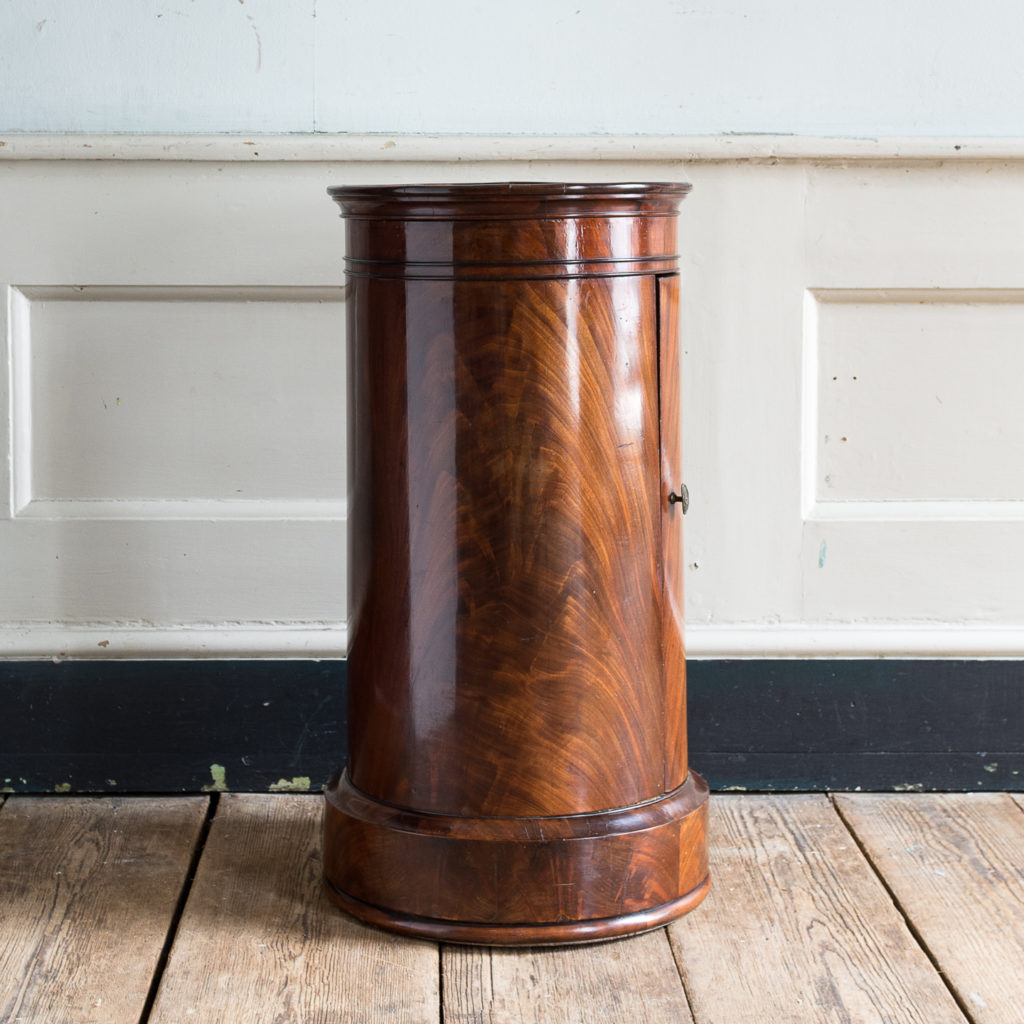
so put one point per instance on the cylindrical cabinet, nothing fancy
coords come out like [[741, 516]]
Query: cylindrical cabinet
[[517, 739]]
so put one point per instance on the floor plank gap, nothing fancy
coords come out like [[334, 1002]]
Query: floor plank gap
[[88, 889], [682, 979], [864, 907], [902, 911], [952, 862], [440, 984], [179, 909], [260, 942], [627, 981], [796, 929]]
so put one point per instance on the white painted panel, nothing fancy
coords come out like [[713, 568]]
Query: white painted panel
[[773, 565], [175, 400], [882, 572], [915, 520], [185, 286], [740, 315], [908, 225], [918, 396], [173, 574]]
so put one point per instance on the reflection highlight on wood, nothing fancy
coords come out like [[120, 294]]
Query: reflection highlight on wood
[[517, 658]]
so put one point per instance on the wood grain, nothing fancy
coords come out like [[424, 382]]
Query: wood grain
[[88, 890], [670, 401], [516, 652], [517, 881], [632, 981], [534, 230], [507, 659], [955, 864], [507, 652], [798, 928], [258, 942]]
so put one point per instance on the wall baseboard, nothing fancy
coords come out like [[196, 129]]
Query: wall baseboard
[[101, 641], [870, 724], [855, 640], [261, 725], [170, 726]]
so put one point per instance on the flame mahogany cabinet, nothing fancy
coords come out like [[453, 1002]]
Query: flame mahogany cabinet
[[517, 769]]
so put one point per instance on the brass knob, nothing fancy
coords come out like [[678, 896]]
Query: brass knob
[[683, 496]]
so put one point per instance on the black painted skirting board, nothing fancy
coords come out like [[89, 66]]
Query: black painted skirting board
[[189, 726], [170, 726], [868, 724]]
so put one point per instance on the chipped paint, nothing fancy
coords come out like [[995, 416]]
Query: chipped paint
[[822, 554], [908, 787], [62, 787], [220, 782], [299, 784], [990, 768]]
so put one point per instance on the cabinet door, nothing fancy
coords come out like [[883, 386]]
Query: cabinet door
[[507, 655], [672, 530]]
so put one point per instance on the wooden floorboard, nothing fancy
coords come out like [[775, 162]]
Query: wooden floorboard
[[88, 891], [955, 864], [259, 942], [798, 928], [631, 981], [903, 909]]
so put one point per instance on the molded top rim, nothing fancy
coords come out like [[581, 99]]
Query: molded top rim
[[509, 200], [513, 189]]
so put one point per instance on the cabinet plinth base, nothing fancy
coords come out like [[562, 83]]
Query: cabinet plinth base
[[517, 881]]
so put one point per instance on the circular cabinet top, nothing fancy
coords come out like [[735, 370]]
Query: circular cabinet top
[[518, 228], [499, 200]]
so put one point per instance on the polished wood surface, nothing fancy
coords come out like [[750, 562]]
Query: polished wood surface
[[517, 649], [518, 881], [513, 600], [670, 406]]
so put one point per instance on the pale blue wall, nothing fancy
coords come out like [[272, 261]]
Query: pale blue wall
[[816, 67]]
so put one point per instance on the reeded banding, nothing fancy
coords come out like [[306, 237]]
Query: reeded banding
[[515, 230]]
